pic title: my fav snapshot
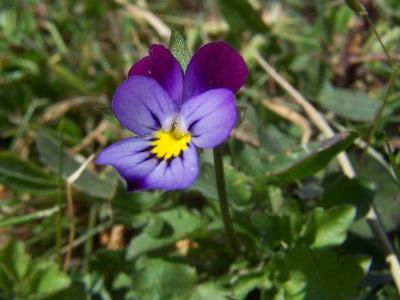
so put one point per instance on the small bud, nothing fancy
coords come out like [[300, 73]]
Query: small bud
[[357, 7]]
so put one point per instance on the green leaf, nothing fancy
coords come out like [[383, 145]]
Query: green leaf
[[88, 182], [247, 158], [328, 228], [276, 230], [159, 279], [352, 105], [24, 177], [246, 283], [111, 260], [208, 291], [72, 292], [178, 48], [357, 191], [234, 180], [387, 195], [14, 261], [133, 209], [240, 15], [154, 226], [47, 281], [178, 223], [303, 273], [300, 162]]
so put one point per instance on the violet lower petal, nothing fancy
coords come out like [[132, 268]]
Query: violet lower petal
[[215, 65], [209, 117], [141, 105], [162, 66], [132, 160], [175, 174]]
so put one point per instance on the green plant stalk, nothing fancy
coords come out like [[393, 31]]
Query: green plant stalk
[[380, 40], [378, 116], [223, 199], [59, 191], [393, 162]]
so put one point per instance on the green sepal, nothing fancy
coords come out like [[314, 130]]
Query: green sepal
[[178, 48], [240, 112]]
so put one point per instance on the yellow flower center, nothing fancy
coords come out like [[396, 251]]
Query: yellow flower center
[[169, 144]]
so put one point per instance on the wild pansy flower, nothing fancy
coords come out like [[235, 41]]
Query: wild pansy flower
[[172, 113]]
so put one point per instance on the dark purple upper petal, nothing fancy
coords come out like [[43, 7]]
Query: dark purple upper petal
[[215, 65], [176, 174], [141, 105], [209, 117], [162, 66]]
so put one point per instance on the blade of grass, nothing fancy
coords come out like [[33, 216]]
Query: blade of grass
[[391, 158], [59, 192], [29, 217]]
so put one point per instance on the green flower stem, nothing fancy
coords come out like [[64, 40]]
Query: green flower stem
[[59, 191], [378, 116], [223, 199], [380, 40]]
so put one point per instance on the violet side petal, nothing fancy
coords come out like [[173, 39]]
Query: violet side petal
[[132, 161], [141, 105], [209, 117], [176, 174], [162, 66], [215, 65]]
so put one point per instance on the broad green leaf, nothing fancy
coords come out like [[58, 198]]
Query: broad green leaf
[[24, 177], [111, 260], [47, 281], [133, 209], [302, 162], [357, 191], [246, 283], [88, 182], [14, 260], [178, 223], [72, 292], [351, 105], [178, 48], [208, 291], [234, 180], [328, 228], [275, 229], [154, 226], [247, 158], [240, 14], [303, 273], [160, 279], [386, 199]]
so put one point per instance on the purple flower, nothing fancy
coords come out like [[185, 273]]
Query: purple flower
[[172, 113]]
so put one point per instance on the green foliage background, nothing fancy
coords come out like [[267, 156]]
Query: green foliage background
[[300, 221]]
